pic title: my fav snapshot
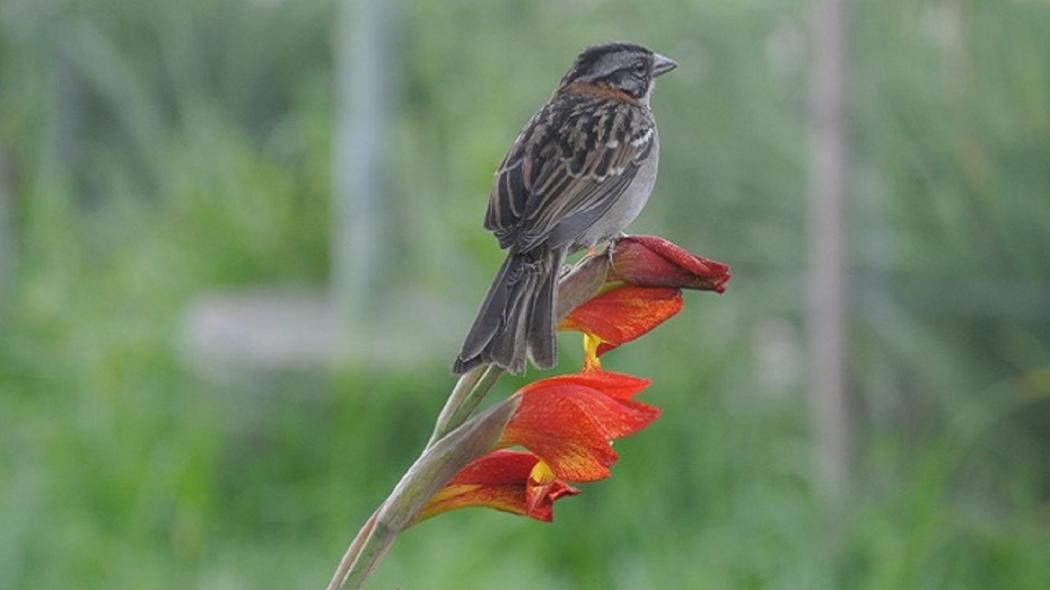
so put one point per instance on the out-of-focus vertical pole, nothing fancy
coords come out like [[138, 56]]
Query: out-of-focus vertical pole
[[827, 263], [5, 221], [362, 95]]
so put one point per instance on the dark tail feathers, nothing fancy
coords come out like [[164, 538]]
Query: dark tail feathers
[[516, 320]]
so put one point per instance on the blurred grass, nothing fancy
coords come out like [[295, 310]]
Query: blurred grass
[[160, 150]]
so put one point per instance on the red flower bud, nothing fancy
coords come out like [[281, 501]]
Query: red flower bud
[[651, 261]]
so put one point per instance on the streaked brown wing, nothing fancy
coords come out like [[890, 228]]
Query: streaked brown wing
[[574, 159]]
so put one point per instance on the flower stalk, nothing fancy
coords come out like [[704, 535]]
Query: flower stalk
[[566, 424], [432, 470], [371, 551]]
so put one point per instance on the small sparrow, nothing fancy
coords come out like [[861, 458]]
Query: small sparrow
[[578, 173]]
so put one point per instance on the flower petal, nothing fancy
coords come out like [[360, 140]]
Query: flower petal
[[617, 385], [651, 261], [569, 426], [510, 481], [543, 489], [623, 314]]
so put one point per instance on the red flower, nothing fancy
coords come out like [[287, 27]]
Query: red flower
[[567, 424], [623, 314], [642, 291], [569, 421], [511, 481], [651, 261]]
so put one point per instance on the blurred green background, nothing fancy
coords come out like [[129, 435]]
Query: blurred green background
[[154, 152]]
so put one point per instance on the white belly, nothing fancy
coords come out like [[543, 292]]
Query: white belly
[[629, 205]]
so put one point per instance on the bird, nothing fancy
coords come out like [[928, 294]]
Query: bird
[[579, 171]]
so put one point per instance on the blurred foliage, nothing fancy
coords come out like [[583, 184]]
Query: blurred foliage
[[158, 149]]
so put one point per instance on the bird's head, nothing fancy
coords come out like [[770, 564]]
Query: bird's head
[[625, 67]]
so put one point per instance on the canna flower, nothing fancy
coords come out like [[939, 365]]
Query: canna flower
[[567, 424]]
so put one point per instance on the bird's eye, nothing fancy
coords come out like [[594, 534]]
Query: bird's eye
[[640, 67]]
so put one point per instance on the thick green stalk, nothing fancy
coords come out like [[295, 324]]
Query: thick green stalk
[[464, 387], [352, 552], [434, 468], [379, 541], [468, 403]]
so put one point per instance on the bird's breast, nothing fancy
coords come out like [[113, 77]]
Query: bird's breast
[[629, 205]]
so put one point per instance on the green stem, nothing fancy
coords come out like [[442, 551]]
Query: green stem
[[352, 552], [369, 556], [470, 402], [432, 470], [463, 387]]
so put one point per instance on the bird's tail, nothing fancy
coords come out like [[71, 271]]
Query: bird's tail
[[516, 319]]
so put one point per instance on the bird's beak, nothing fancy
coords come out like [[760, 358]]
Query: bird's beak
[[662, 64]]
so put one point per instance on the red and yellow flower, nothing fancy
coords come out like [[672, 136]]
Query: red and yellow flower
[[511, 481], [566, 424], [642, 291]]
